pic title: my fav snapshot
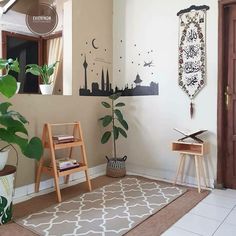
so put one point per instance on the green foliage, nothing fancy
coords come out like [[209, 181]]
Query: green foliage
[[44, 71], [8, 84], [5, 213], [106, 120], [105, 137], [12, 123], [115, 119], [105, 104]]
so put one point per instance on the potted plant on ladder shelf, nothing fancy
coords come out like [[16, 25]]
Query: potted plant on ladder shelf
[[115, 165], [12, 131]]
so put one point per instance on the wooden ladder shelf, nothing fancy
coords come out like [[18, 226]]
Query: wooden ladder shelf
[[52, 170]]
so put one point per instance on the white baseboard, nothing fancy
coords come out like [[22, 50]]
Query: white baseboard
[[26, 192], [163, 175]]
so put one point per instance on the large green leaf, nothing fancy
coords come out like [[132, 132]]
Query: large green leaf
[[116, 132], [115, 96], [8, 85], [12, 125], [124, 124], [34, 70], [34, 149], [4, 107], [105, 104], [120, 104], [12, 138], [14, 66], [106, 136], [118, 114], [122, 132], [106, 120], [17, 115], [50, 68]]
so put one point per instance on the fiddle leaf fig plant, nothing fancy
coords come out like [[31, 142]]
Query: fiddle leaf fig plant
[[116, 121], [12, 123], [45, 71]]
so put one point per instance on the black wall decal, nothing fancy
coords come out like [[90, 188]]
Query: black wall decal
[[105, 89], [93, 44], [148, 64], [98, 67], [193, 7]]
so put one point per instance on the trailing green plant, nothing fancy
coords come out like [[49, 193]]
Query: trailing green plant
[[116, 120], [12, 123], [45, 71]]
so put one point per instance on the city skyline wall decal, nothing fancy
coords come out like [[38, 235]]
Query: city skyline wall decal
[[97, 69], [106, 88]]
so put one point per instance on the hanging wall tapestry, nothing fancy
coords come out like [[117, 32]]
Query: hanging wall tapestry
[[192, 51]]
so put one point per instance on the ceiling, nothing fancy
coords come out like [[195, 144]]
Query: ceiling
[[23, 6]]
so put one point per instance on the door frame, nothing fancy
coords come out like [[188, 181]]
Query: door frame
[[221, 107]]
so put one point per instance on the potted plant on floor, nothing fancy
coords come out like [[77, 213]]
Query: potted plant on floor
[[12, 132], [45, 72], [115, 165]]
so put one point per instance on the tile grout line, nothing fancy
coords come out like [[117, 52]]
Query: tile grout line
[[190, 212], [187, 230], [223, 220], [210, 204], [204, 216]]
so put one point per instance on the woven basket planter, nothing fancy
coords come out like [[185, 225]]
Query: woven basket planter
[[116, 167]]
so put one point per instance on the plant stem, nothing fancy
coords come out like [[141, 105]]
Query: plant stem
[[113, 124]]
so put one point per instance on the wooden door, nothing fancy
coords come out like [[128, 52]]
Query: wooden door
[[230, 98]]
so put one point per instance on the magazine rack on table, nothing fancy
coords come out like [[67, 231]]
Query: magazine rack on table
[[48, 142], [197, 150]]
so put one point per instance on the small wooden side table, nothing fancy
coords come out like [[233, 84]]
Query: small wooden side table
[[197, 150]]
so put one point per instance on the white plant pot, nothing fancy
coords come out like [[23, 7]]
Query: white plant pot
[[3, 157], [18, 87], [46, 89]]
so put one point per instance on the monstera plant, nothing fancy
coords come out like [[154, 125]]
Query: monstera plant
[[12, 123], [12, 132]]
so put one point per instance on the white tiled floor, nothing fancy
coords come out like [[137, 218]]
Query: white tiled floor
[[214, 216]]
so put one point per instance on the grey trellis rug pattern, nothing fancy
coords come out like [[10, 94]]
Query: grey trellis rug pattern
[[109, 211]]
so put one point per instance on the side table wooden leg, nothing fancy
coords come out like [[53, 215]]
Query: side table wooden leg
[[203, 171], [198, 173], [182, 168], [179, 168]]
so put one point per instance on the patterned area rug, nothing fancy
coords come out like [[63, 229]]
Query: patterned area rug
[[109, 211]]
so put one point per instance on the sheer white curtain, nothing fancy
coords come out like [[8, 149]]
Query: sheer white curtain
[[54, 52]]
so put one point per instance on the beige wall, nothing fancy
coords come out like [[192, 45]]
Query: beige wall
[[91, 19]]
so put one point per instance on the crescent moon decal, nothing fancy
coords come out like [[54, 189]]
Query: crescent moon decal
[[93, 44]]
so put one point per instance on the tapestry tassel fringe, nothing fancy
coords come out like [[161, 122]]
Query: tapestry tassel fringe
[[191, 109]]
